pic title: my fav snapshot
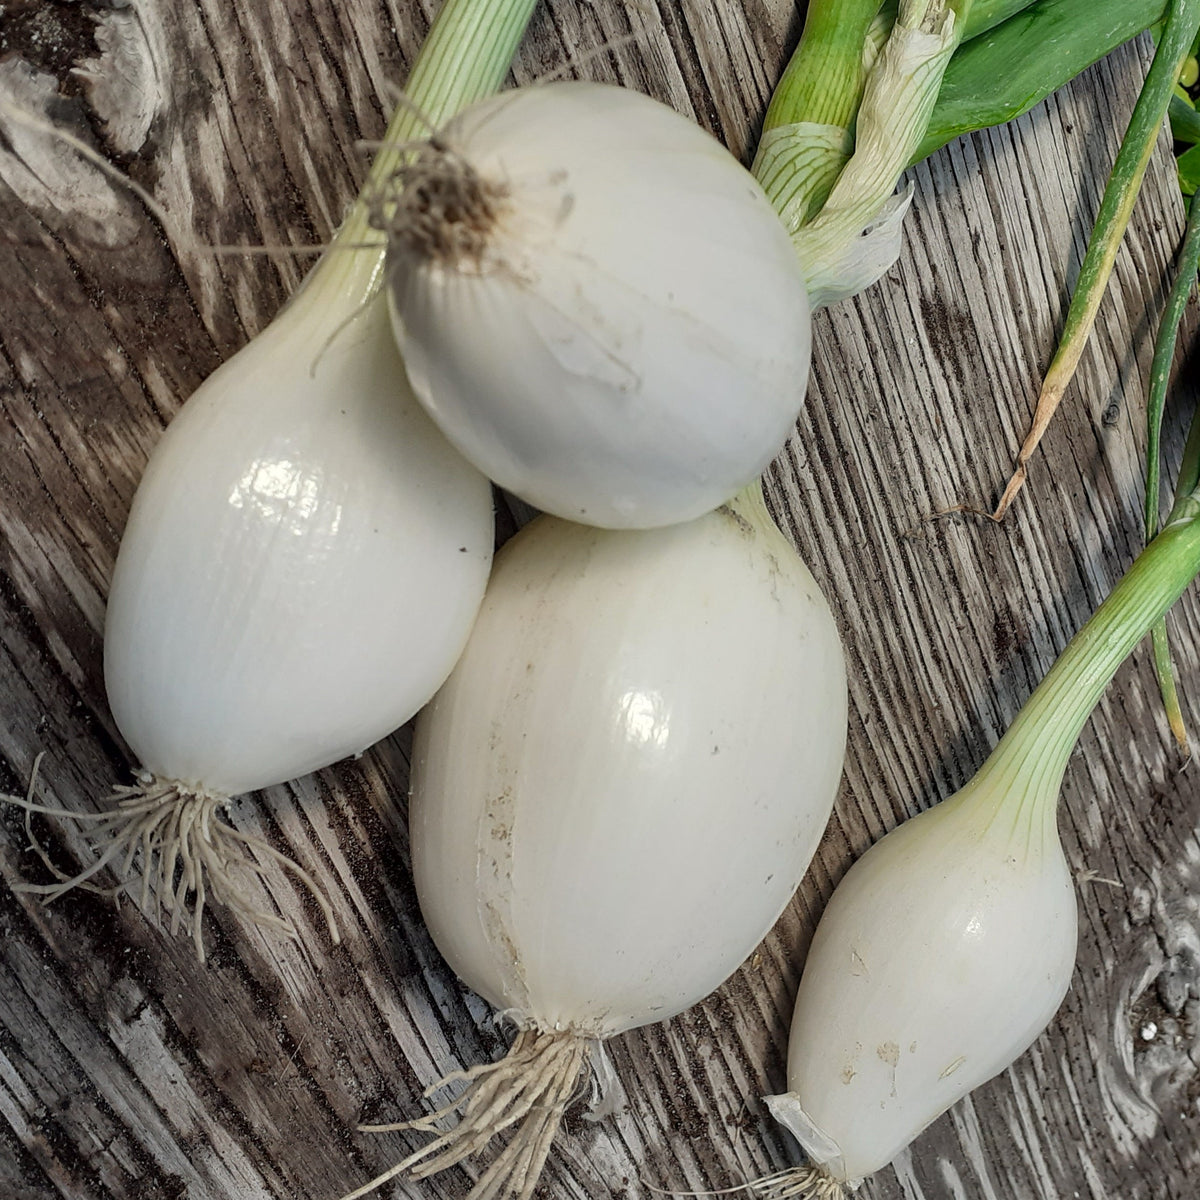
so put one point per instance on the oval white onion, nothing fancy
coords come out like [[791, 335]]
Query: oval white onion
[[302, 563], [598, 305], [942, 955], [622, 782], [305, 553]]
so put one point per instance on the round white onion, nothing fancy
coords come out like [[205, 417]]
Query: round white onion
[[598, 305]]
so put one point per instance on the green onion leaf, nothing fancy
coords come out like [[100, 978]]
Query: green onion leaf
[[995, 78], [1119, 195], [1160, 370], [1185, 121]]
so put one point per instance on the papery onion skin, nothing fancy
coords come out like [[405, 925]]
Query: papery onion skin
[[632, 347], [943, 954], [620, 786], [301, 564]]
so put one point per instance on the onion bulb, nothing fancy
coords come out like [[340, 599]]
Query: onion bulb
[[949, 946], [616, 793], [301, 566], [942, 955], [597, 304]]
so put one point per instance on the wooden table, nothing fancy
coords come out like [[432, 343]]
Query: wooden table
[[129, 1071]]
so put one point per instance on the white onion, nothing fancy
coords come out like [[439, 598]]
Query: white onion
[[302, 563], [305, 554], [949, 946], [942, 955], [598, 305], [621, 784]]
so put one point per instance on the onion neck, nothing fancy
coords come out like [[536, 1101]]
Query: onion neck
[[1029, 762], [465, 57], [823, 82], [833, 187]]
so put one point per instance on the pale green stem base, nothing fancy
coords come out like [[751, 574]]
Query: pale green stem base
[[1032, 756]]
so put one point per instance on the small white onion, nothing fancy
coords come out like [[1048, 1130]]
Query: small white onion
[[598, 305], [622, 782], [942, 955]]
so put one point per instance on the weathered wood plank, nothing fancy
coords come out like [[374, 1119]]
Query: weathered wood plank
[[126, 1070]]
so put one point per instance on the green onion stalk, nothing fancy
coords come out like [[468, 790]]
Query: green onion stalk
[[873, 88], [809, 129], [1175, 45], [845, 120], [808, 133], [1160, 369], [1032, 756]]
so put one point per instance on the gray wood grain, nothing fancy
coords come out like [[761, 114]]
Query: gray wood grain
[[129, 1072]]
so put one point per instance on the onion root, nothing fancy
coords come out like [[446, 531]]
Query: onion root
[[436, 208], [800, 1183], [188, 854], [531, 1088]]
